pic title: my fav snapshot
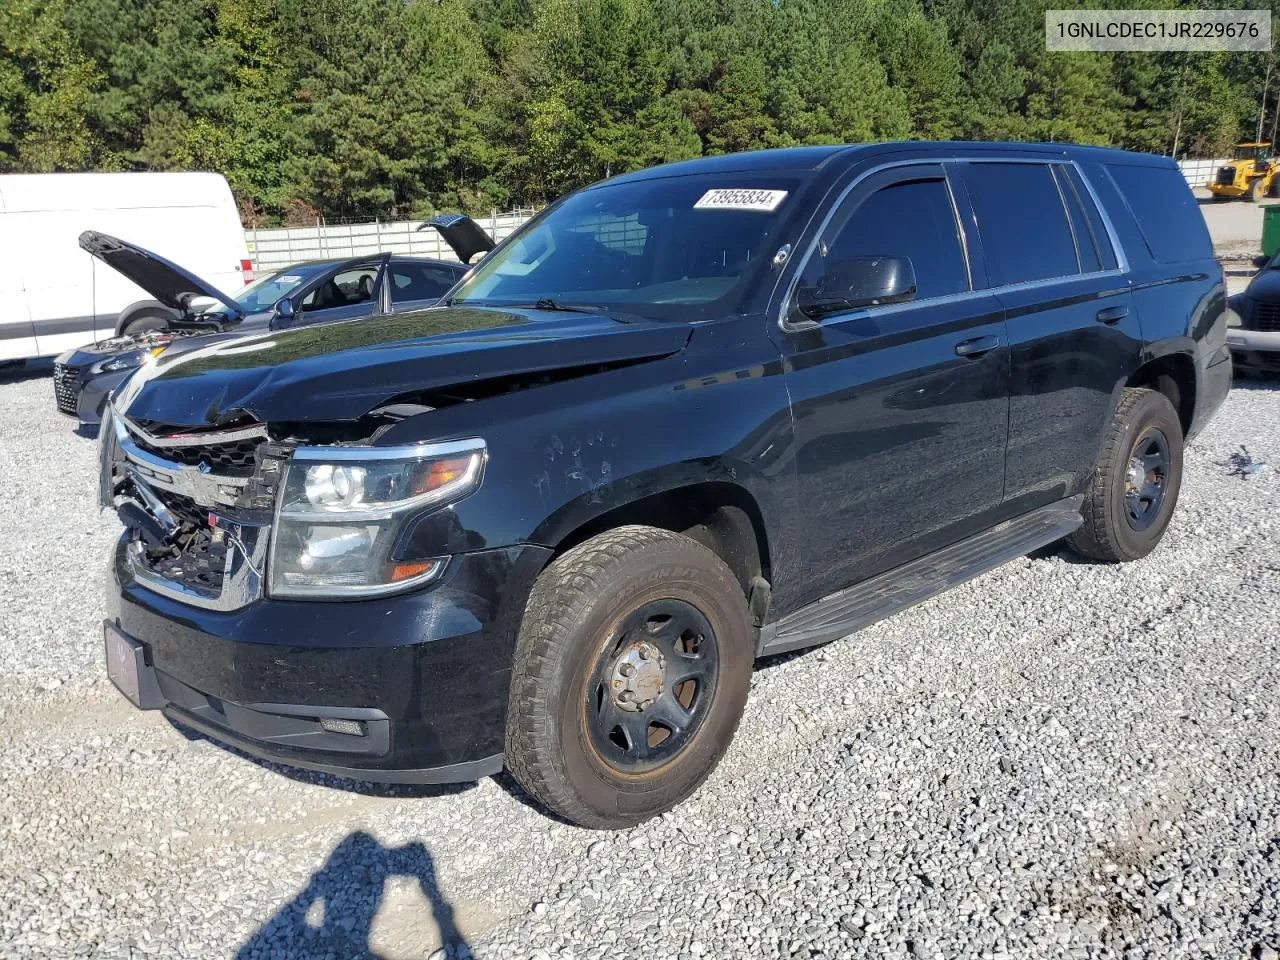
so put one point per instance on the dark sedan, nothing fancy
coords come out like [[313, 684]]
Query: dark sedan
[[318, 291]]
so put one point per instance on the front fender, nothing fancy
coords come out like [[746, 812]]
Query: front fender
[[565, 454]]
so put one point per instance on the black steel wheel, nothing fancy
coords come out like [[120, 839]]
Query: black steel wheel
[[1147, 478], [652, 686], [631, 672], [1130, 496]]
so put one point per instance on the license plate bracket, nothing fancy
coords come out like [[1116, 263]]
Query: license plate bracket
[[127, 668]]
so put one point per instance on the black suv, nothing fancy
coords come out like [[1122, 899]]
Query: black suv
[[682, 419]]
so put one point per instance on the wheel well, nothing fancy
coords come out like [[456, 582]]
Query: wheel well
[[141, 309], [1175, 377], [721, 516]]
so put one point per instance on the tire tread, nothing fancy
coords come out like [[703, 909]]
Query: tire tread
[[1096, 537], [552, 612]]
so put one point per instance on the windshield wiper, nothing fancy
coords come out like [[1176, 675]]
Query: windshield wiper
[[550, 305], [546, 303]]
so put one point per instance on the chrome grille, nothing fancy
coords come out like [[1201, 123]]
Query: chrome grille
[[1266, 317], [235, 459], [66, 388]]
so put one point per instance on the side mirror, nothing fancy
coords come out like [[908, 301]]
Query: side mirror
[[1261, 261], [858, 282], [284, 311]]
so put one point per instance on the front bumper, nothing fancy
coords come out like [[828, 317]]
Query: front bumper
[[1261, 341], [80, 395], [426, 673]]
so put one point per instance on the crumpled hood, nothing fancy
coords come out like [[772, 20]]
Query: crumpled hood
[[341, 371]]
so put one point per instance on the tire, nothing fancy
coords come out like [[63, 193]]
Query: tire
[[1257, 190], [144, 320], [590, 616], [1144, 420]]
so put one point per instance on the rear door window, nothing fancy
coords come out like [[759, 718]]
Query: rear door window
[[1166, 211], [419, 281], [1022, 222], [912, 218]]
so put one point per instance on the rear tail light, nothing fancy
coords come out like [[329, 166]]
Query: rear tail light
[[246, 268]]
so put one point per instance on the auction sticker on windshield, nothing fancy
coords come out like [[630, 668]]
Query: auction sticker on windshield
[[765, 201]]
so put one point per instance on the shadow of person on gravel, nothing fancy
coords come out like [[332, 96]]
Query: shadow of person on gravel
[[332, 916]]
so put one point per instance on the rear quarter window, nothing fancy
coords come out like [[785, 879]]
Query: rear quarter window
[[1166, 211]]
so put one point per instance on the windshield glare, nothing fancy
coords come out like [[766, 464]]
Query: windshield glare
[[677, 242]]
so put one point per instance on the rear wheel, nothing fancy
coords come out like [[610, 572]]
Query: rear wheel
[[631, 673], [1134, 487]]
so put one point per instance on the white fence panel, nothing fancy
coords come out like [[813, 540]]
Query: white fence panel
[[1200, 172], [277, 248]]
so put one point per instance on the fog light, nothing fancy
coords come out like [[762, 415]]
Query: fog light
[[352, 728]]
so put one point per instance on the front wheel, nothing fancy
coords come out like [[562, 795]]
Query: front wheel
[[631, 673], [1131, 494], [144, 321]]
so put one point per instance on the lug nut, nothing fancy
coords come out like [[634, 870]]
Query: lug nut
[[627, 669]]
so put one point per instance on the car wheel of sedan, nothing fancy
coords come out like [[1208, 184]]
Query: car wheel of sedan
[[1133, 490], [631, 673]]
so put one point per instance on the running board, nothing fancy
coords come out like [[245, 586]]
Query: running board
[[861, 605]]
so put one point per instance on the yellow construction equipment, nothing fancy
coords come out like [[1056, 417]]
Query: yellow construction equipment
[[1253, 174]]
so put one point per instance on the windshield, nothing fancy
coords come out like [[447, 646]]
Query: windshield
[[643, 248], [264, 293]]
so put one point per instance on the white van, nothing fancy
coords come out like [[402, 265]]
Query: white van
[[54, 296]]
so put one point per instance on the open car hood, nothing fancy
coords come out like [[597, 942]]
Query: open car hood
[[342, 371], [166, 281], [464, 236]]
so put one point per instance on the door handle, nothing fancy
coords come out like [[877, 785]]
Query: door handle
[[1112, 314], [977, 346]]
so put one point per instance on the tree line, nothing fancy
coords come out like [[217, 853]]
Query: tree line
[[396, 108]]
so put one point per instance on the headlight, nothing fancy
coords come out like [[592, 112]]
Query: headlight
[[123, 361], [340, 511], [1233, 315]]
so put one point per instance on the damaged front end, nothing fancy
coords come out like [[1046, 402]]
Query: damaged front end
[[197, 507], [224, 516]]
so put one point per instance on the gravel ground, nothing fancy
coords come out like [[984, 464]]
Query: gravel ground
[[1055, 760]]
